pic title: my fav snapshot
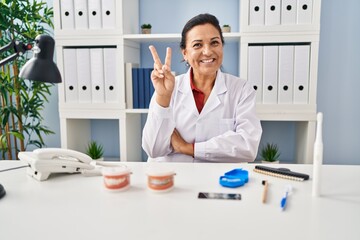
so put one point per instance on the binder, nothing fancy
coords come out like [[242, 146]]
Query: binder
[[70, 75], [301, 74], [83, 74], [135, 87], [97, 75], [270, 76], [141, 79], [257, 12], [272, 12], [111, 86], [148, 83], [288, 12], [108, 14], [67, 14], [129, 87], [81, 14], [152, 89], [304, 11], [286, 74], [94, 14], [255, 70]]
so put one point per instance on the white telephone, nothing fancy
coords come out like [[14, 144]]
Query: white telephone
[[44, 161]]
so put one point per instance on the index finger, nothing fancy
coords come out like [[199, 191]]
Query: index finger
[[168, 57], [155, 55]]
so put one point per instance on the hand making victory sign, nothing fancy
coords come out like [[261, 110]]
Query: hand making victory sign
[[162, 78]]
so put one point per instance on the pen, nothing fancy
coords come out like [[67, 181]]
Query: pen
[[285, 197], [265, 183]]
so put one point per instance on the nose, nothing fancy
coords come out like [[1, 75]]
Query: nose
[[206, 50]]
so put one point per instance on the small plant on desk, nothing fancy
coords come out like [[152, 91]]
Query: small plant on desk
[[95, 150], [270, 153]]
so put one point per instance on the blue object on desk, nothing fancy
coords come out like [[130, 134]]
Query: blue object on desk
[[234, 178]]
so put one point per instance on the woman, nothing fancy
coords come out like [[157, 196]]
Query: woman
[[204, 115]]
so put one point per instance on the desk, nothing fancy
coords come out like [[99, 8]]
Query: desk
[[79, 207]]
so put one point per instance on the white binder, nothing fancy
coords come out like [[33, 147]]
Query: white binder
[[70, 75], [111, 86], [288, 12], [108, 11], [94, 14], [286, 74], [81, 14], [301, 74], [272, 12], [257, 12], [97, 75], [304, 11], [255, 70], [270, 76], [83, 74], [67, 14], [129, 84]]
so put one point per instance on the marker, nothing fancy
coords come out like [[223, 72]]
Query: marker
[[284, 198]]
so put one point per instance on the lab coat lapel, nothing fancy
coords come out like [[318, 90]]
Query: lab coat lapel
[[187, 100], [214, 100]]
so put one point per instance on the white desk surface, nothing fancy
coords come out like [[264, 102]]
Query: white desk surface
[[78, 207]]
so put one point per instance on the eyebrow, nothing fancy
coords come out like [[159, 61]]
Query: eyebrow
[[217, 38]]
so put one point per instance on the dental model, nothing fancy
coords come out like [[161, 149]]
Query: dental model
[[160, 181], [116, 178]]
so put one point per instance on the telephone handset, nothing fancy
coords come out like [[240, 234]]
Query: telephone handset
[[44, 161]]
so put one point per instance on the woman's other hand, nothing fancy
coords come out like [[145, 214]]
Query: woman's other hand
[[180, 146]]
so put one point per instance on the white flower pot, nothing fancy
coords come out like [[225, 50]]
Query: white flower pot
[[146, 30]]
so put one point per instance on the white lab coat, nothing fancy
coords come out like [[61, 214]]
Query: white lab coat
[[226, 130]]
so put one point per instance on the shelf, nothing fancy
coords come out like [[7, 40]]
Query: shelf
[[171, 37]]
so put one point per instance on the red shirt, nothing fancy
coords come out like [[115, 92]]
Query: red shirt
[[199, 96]]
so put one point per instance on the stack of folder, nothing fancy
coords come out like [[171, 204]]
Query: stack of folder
[[90, 75], [88, 14], [280, 12], [280, 73], [139, 88]]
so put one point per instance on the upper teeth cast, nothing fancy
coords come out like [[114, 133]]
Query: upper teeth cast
[[114, 181]]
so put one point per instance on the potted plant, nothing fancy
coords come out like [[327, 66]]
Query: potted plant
[[146, 28], [95, 150], [226, 28], [270, 153], [22, 101]]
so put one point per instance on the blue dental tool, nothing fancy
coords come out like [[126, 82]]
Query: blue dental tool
[[234, 178]]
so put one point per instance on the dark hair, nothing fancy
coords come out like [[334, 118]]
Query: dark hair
[[200, 19]]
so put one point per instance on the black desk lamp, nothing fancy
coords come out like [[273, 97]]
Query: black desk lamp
[[39, 68]]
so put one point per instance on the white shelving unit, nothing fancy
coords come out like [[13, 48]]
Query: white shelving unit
[[75, 118]]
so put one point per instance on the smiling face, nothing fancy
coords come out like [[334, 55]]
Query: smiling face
[[203, 51]]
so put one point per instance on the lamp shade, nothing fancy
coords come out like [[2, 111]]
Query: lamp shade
[[41, 66]]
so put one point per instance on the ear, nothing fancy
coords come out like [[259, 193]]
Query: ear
[[183, 51]]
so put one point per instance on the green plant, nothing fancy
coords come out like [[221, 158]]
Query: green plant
[[146, 26], [226, 25], [94, 150], [270, 152], [21, 101]]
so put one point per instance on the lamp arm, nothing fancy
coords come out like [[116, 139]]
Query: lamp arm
[[9, 59], [19, 49]]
